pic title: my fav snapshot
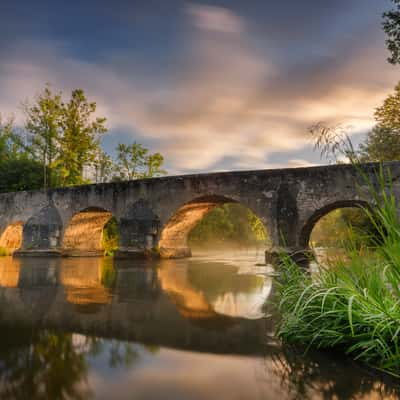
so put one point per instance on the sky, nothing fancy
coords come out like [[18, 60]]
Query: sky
[[212, 85]]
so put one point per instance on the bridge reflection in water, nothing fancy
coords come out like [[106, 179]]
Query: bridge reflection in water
[[169, 303], [170, 329]]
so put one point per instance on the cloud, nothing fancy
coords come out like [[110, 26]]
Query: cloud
[[213, 18], [226, 97]]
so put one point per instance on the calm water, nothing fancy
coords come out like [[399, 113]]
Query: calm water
[[200, 328]]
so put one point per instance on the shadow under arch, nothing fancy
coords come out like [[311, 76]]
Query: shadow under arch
[[11, 238], [173, 241], [83, 236], [306, 231]]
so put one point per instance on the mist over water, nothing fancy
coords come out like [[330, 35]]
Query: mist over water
[[198, 328]]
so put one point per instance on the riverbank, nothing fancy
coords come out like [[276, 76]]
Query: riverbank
[[352, 303]]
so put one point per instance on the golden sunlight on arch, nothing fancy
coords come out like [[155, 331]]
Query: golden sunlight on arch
[[210, 217], [85, 232], [11, 238]]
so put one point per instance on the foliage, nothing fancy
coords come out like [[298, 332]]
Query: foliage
[[388, 115], [103, 167], [135, 162], [20, 174], [229, 224], [333, 142], [382, 142], [108, 273], [110, 237], [61, 146], [42, 364], [80, 140], [341, 225], [391, 26], [43, 126], [354, 303], [18, 170]]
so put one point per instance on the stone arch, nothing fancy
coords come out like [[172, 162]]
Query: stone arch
[[11, 238], [83, 234], [43, 230], [305, 232], [173, 239]]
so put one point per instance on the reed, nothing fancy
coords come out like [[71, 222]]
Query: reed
[[353, 303]]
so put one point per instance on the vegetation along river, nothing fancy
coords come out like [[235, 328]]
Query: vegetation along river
[[198, 328]]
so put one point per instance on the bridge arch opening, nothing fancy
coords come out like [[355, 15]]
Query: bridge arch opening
[[91, 232], [211, 222], [331, 227], [11, 238]]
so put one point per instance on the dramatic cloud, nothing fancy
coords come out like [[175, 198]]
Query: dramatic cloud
[[215, 18], [224, 101]]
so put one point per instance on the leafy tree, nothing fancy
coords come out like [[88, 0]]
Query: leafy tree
[[8, 144], [383, 142], [388, 115], [103, 167], [391, 26], [135, 162], [153, 164], [43, 124], [20, 174], [130, 160], [229, 224], [18, 171], [80, 139]]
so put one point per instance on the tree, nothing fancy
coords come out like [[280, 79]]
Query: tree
[[9, 143], [153, 164], [135, 162], [43, 125], [103, 167], [388, 115], [18, 171], [80, 139], [20, 174], [383, 142], [391, 26], [130, 160]]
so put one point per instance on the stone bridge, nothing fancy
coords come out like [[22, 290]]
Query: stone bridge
[[159, 213]]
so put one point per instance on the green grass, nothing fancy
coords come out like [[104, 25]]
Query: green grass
[[353, 304], [110, 237]]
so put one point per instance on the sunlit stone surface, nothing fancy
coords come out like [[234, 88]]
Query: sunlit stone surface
[[11, 239], [84, 233]]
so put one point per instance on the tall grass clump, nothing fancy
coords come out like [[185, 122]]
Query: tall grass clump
[[353, 303]]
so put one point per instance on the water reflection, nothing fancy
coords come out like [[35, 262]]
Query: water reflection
[[187, 329]]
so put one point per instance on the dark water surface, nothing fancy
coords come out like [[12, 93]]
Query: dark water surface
[[200, 328]]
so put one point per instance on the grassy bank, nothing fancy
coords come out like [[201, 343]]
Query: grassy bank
[[352, 304]]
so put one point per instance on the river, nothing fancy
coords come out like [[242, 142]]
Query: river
[[198, 328]]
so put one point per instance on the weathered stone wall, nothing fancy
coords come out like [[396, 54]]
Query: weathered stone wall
[[160, 212]]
